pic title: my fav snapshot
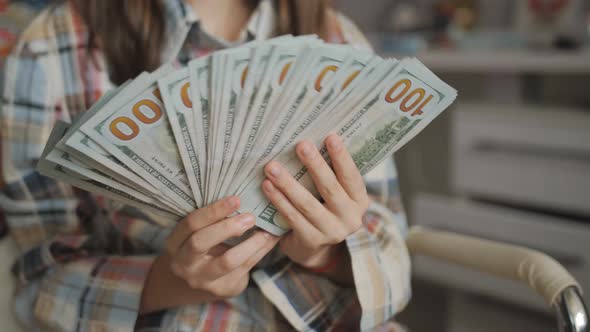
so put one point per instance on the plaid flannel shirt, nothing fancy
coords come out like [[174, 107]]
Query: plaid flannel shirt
[[84, 258]]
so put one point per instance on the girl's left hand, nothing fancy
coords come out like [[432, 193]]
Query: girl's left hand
[[318, 229]]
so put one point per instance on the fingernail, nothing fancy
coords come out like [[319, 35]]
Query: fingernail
[[305, 149], [274, 170], [246, 219], [335, 143]]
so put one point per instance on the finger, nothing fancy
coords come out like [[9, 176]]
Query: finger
[[259, 255], [239, 255], [199, 219], [203, 240], [323, 177], [346, 171], [294, 218], [234, 278], [300, 197]]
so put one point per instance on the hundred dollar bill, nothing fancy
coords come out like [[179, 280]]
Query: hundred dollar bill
[[58, 172], [78, 144], [350, 83], [73, 167], [139, 136], [199, 78], [175, 91], [90, 152], [276, 78], [234, 73], [352, 80], [236, 63], [224, 95], [346, 83], [252, 74], [215, 87], [349, 86], [310, 73], [391, 114], [320, 71], [250, 79]]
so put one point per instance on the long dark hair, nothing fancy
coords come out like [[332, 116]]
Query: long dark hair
[[124, 30]]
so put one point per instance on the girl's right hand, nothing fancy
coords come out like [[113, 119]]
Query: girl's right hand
[[198, 256]]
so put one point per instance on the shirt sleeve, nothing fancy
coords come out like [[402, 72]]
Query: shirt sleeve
[[97, 293], [92, 294], [381, 268], [35, 207], [82, 268], [78, 282]]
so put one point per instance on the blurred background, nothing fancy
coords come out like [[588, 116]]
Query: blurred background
[[509, 162]]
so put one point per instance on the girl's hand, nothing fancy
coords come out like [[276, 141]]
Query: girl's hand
[[318, 229], [197, 266], [199, 257]]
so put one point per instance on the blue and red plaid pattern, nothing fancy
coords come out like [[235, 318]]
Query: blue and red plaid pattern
[[84, 258]]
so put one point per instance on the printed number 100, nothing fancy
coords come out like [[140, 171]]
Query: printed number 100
[[132, 128], [412, 100]]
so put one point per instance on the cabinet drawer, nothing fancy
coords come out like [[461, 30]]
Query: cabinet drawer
[[546, 128], [529, 156], [525, 179]]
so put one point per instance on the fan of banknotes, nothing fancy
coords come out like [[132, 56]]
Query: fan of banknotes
[[177, 139]]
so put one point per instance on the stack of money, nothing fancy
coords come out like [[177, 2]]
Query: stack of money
[[177, 139]]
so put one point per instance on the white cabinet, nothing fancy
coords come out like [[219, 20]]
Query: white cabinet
[[519, 175]]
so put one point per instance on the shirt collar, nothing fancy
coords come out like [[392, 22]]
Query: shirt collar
[[186, 39], [263, 21], [261, 24], [187, 13]]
